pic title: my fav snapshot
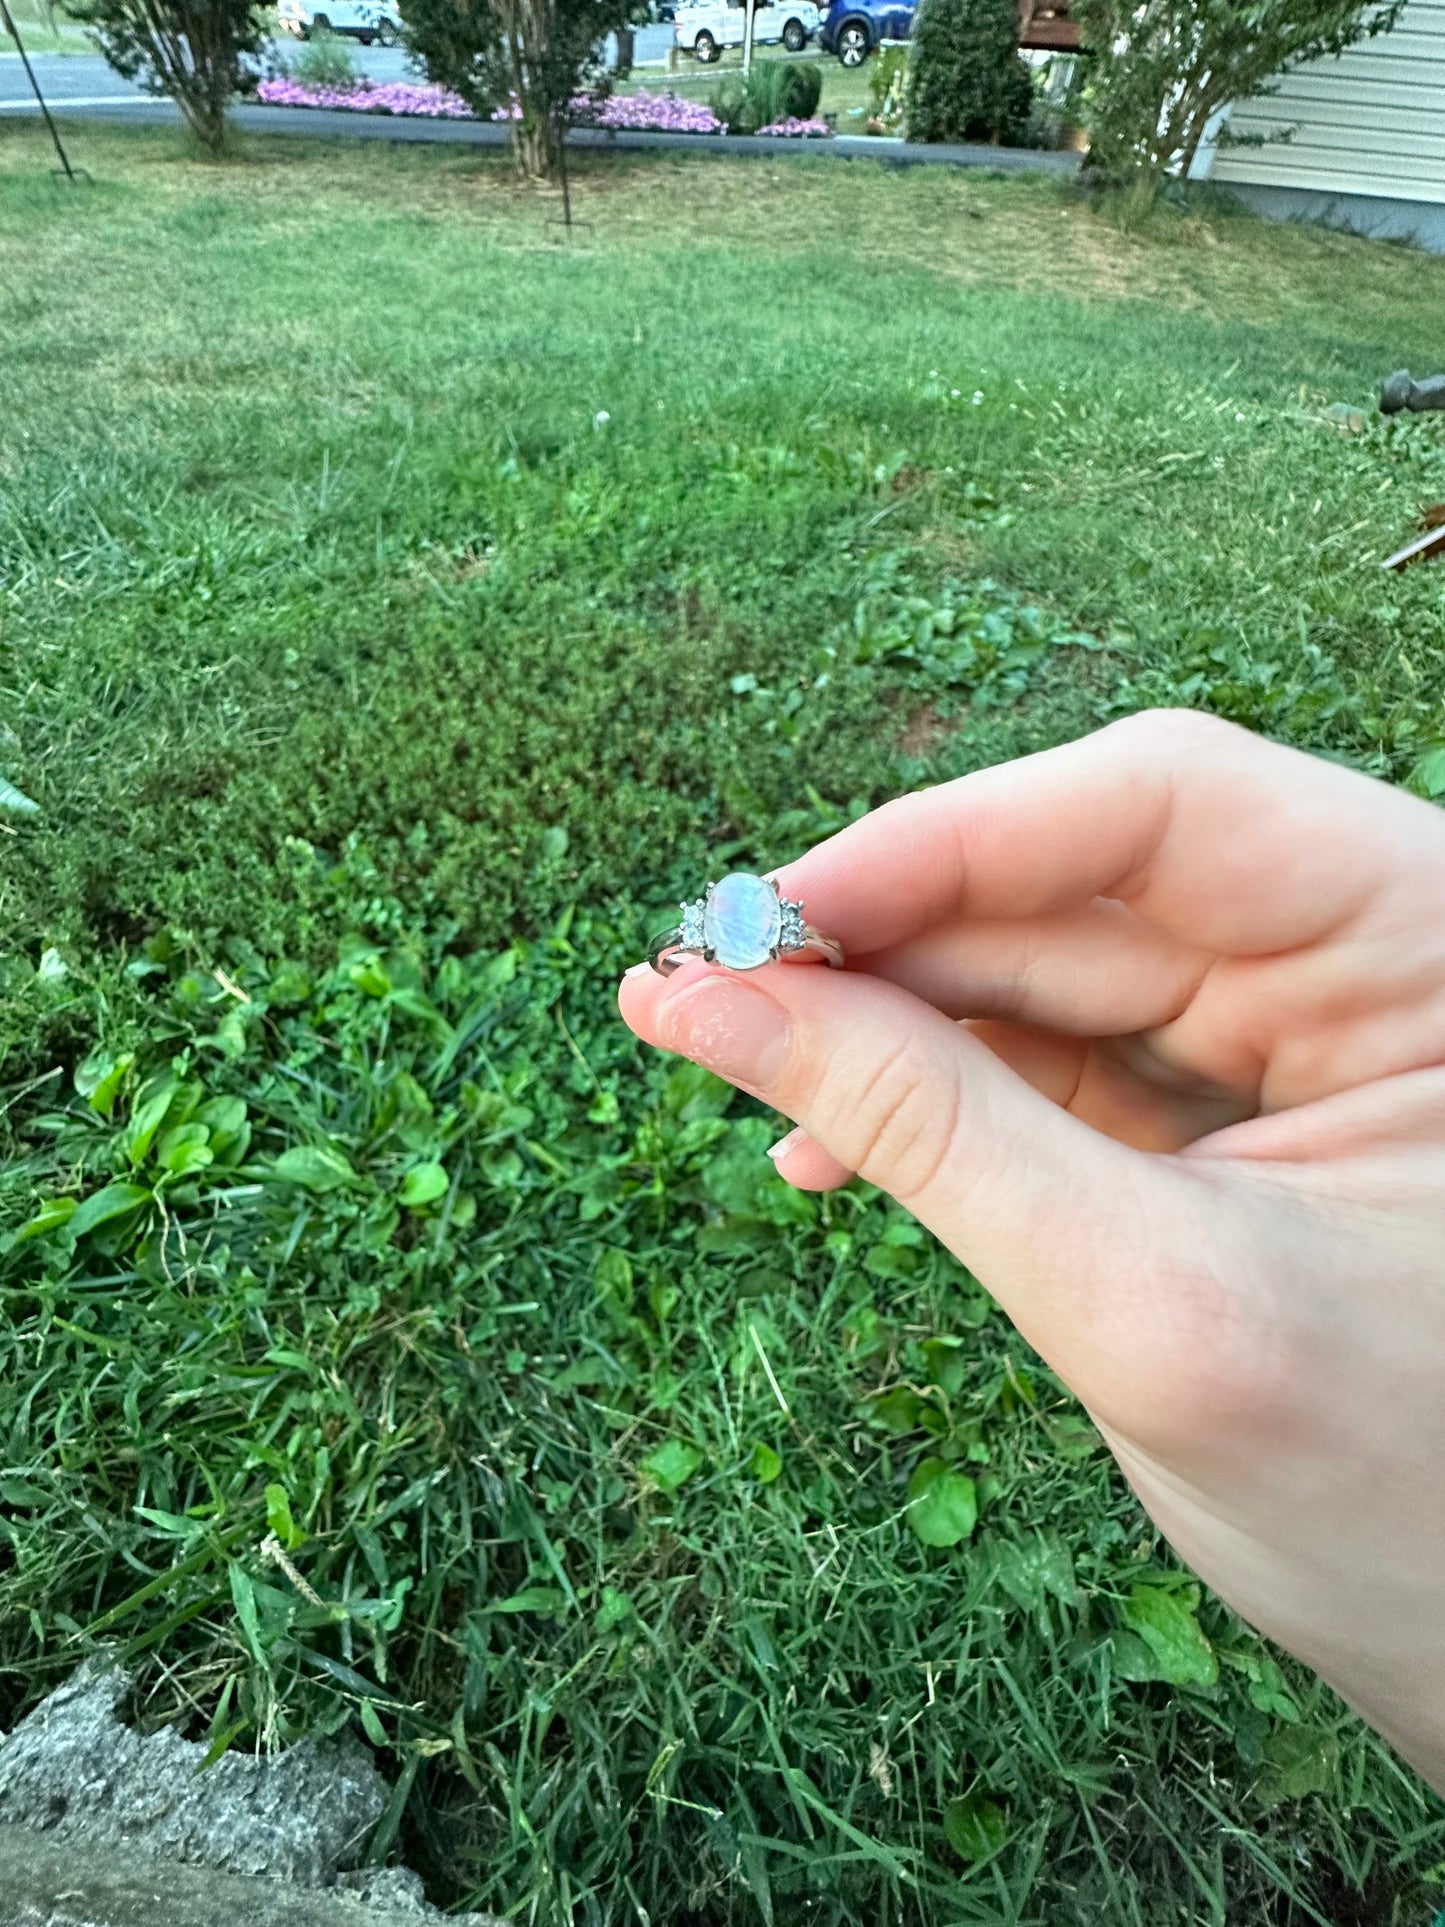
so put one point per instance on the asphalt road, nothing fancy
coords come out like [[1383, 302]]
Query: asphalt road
[[84, 80], [77, 77]]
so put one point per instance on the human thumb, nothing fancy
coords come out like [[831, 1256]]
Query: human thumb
[[912, 1101]]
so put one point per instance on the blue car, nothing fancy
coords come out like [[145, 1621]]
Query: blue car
[[852, 29]]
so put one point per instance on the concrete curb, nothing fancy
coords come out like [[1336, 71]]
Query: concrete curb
[[45, 1883], [320, 122]]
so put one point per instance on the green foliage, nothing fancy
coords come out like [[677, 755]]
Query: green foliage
[[965, 80], [192, 51], [529, 56], [491, 1443], [324, 60], [371, 739], [887, 83], [772, 90], [975, 1826], [1159, 72], [1166, 1622], [1054, 107], [887, 74], [942, 1503]]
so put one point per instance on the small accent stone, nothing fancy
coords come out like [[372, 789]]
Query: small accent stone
[[691, 935], [742, 920], [792, 934]]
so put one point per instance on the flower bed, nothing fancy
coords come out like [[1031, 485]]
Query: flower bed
[[639, 113], [617, 113], [799, 130], [393, 97], [644, 113]]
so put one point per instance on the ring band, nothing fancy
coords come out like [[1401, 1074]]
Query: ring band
[[741, 923]]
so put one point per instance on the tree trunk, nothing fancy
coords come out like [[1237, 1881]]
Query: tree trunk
[[207, 118], [537, 145], [1205, 110], [537, 130]]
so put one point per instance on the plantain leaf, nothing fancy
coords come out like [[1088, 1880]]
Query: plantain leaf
[[314, 1167], [113, 1202]]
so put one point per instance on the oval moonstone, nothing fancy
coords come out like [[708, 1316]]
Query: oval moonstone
[[742, 920]]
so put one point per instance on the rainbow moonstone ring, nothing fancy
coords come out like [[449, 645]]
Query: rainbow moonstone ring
[[741, 923]]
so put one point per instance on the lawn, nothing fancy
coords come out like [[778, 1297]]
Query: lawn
[[45, 29], [401, 604]]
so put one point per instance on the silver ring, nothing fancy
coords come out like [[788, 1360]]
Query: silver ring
[[741, 923]]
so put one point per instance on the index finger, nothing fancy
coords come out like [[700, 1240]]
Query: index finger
[[1221, 838]]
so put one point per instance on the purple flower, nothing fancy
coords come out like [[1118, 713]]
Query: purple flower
[[645, 113], [794, 129], [640, 112], [394, 97]]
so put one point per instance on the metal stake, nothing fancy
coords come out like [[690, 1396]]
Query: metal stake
[[7, 21]]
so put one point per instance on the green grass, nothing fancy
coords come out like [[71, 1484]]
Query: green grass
[[45, 29], [400, 605]]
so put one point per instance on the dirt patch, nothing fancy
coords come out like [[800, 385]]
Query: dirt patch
[[924, 731]]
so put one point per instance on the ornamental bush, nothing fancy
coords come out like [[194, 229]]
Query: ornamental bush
[[1161, 69], [888, 85], [772, 92], [530, 58], [966, 81], [192, 51], [325, 60]]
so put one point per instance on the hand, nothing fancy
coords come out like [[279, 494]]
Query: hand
[[1150, 1031]]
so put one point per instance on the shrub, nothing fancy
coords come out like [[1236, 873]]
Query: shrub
[[966, 81], [192, 51], [888, 83], [1054, 110], [773, 91], [530, 58], [1163, 68], [325, 61]]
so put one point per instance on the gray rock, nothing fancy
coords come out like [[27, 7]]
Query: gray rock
[[395, 1887], [1401, 390], [74, 1771], [47, 1883]]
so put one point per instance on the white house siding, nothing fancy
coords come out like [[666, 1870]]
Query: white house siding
[[1368, 148]]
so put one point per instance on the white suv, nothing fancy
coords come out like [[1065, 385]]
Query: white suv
[[704, 30], [363, 20]]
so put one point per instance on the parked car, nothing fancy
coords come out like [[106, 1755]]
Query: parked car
[[853, 29], [363, 20], [705, 29]]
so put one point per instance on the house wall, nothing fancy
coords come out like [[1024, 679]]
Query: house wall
[[1369, 145]]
